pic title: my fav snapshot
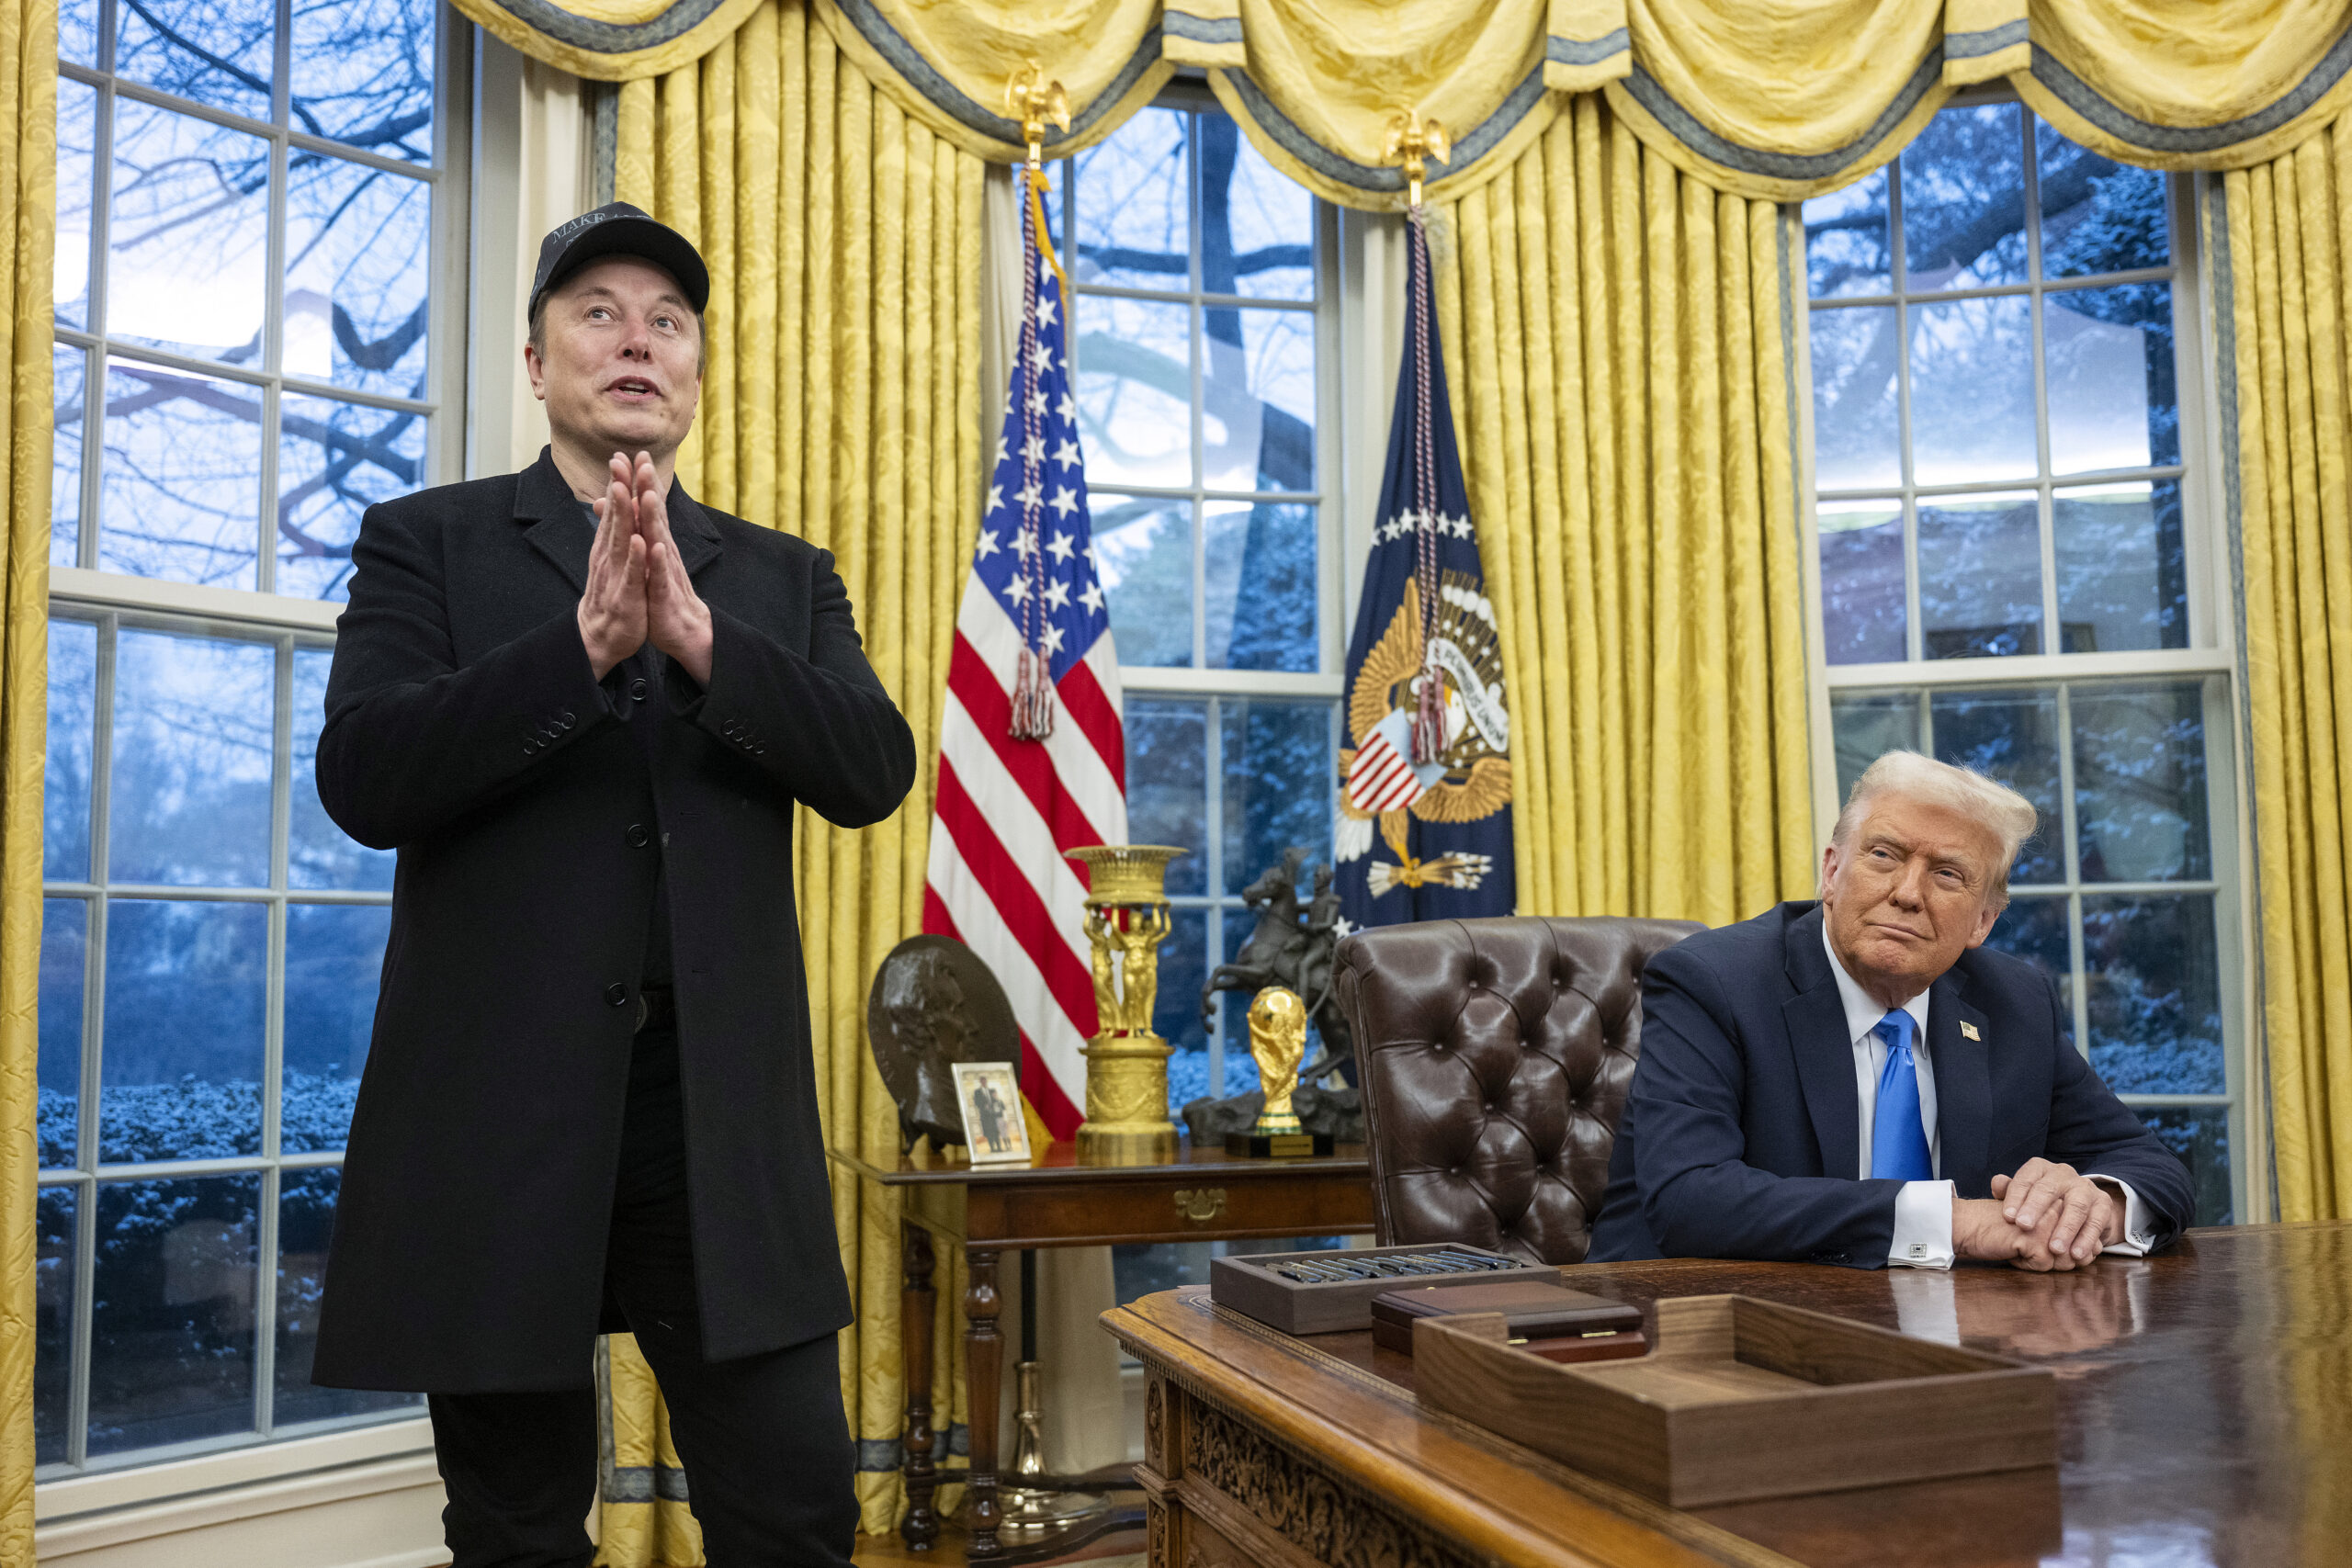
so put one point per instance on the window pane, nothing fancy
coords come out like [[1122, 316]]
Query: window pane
[[2140, 801], [1143, 548], [1963, 201], [358, 253], [72, 729], [1135, 392], [172, 1338], [1259, 564], [305, 1223], [1176, 1010], [1258, 400], [194, 721], [77, 144], [188, 240], [1846, 250], [1257, 226], [1980, 576], [216, 52], [69, 367], [334, 959], [2114, 402], [2152, 981], [2035, 929], [1855, 442], [319, 853], [180, 491], [1280, 781], [1134, 225], [335, 460], [53, 1323], [362, 73], [77, 32], [1972, 391], [2122, 569], [1168, 750], [2199, 1134], [2096, 216], [1867, 727], [181, 1060], [1863, 608], [64, 965], [2010, 735]]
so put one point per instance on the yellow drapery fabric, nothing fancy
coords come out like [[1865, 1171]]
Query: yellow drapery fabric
[[1616, 337], [948, 65], [29, 188], [610, 40], [2281, 233], [842, 404]]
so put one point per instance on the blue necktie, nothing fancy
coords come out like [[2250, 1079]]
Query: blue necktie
[[1898, 1135]]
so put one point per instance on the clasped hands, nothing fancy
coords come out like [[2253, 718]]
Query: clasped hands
[[2046, 1217], [638, 588]]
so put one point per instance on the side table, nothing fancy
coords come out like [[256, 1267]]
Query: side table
[[1056, 1200]]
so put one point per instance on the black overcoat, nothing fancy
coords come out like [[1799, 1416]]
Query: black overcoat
[[466, 729]]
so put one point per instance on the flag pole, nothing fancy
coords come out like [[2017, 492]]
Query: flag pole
[[1412, 140]]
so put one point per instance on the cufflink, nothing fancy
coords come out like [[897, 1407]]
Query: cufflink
[[1918, 1249]]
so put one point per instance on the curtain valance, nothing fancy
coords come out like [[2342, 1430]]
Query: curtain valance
[[1770, 99]]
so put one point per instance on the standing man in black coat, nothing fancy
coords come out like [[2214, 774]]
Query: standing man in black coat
[[584, 708]]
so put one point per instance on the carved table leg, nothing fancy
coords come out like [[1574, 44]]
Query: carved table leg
[[983, 1369], [920, 1526]]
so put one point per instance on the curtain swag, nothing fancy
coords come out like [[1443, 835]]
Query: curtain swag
[[1774, 100]]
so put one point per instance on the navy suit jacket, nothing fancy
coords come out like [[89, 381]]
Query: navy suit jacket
[[1741, 1133]]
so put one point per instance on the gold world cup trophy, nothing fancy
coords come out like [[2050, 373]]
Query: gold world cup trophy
[[1278, 1042], [1126, 1063]]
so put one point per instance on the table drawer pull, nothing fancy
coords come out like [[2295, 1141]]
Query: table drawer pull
[[1200, 1204]]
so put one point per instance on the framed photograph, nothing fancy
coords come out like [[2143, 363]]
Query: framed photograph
[[994, 1129]]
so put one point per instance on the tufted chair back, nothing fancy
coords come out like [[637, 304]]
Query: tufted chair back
[[1495, 1057]]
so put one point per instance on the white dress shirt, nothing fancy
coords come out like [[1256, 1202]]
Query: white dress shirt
[[1923, 1209]]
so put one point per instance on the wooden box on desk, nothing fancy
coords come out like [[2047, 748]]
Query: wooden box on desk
[[1744, 1399]]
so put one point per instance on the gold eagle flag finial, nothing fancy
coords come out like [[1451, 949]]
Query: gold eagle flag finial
[[1035, 102], [1411, 141]]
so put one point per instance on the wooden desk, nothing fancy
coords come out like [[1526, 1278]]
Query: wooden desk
[[1058, 1202], [2205, 1417]]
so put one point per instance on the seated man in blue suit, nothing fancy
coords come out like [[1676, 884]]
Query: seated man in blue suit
[[1861, 1081]]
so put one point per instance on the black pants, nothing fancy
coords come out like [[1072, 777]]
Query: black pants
[[765, 1446]]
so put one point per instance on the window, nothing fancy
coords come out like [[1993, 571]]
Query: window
[[1203, 315], [2011, 578], [254, 200]]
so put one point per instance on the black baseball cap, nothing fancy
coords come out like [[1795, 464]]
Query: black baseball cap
[[616, 229]]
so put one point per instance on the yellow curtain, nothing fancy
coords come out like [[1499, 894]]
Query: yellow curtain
[[842, 404], [29, 186], [610, 40], [2280, 234], [1617, 335]]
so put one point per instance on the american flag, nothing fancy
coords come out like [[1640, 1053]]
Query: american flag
[[1032, 751]]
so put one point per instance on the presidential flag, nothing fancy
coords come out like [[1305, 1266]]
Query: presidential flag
[[1032, 753], [1425, 778]]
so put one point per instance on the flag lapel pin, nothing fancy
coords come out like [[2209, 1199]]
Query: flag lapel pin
[[1968, 1032]]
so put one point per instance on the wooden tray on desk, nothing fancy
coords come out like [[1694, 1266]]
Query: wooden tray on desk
[[1744, 1399]]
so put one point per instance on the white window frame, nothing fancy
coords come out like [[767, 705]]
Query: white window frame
[[82, 1484], [1334, 538], [2212, 651]]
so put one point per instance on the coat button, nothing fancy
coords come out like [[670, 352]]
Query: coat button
[[530, 746], [729, 728], [637, 837], [567, 720], [637, 689], [617, 993]]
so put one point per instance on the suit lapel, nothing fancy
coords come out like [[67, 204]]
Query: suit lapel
[[558, 531], [1816, 1019], [1963, 1074]]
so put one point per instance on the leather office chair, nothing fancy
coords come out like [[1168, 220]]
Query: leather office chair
[[1495, 1057]]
